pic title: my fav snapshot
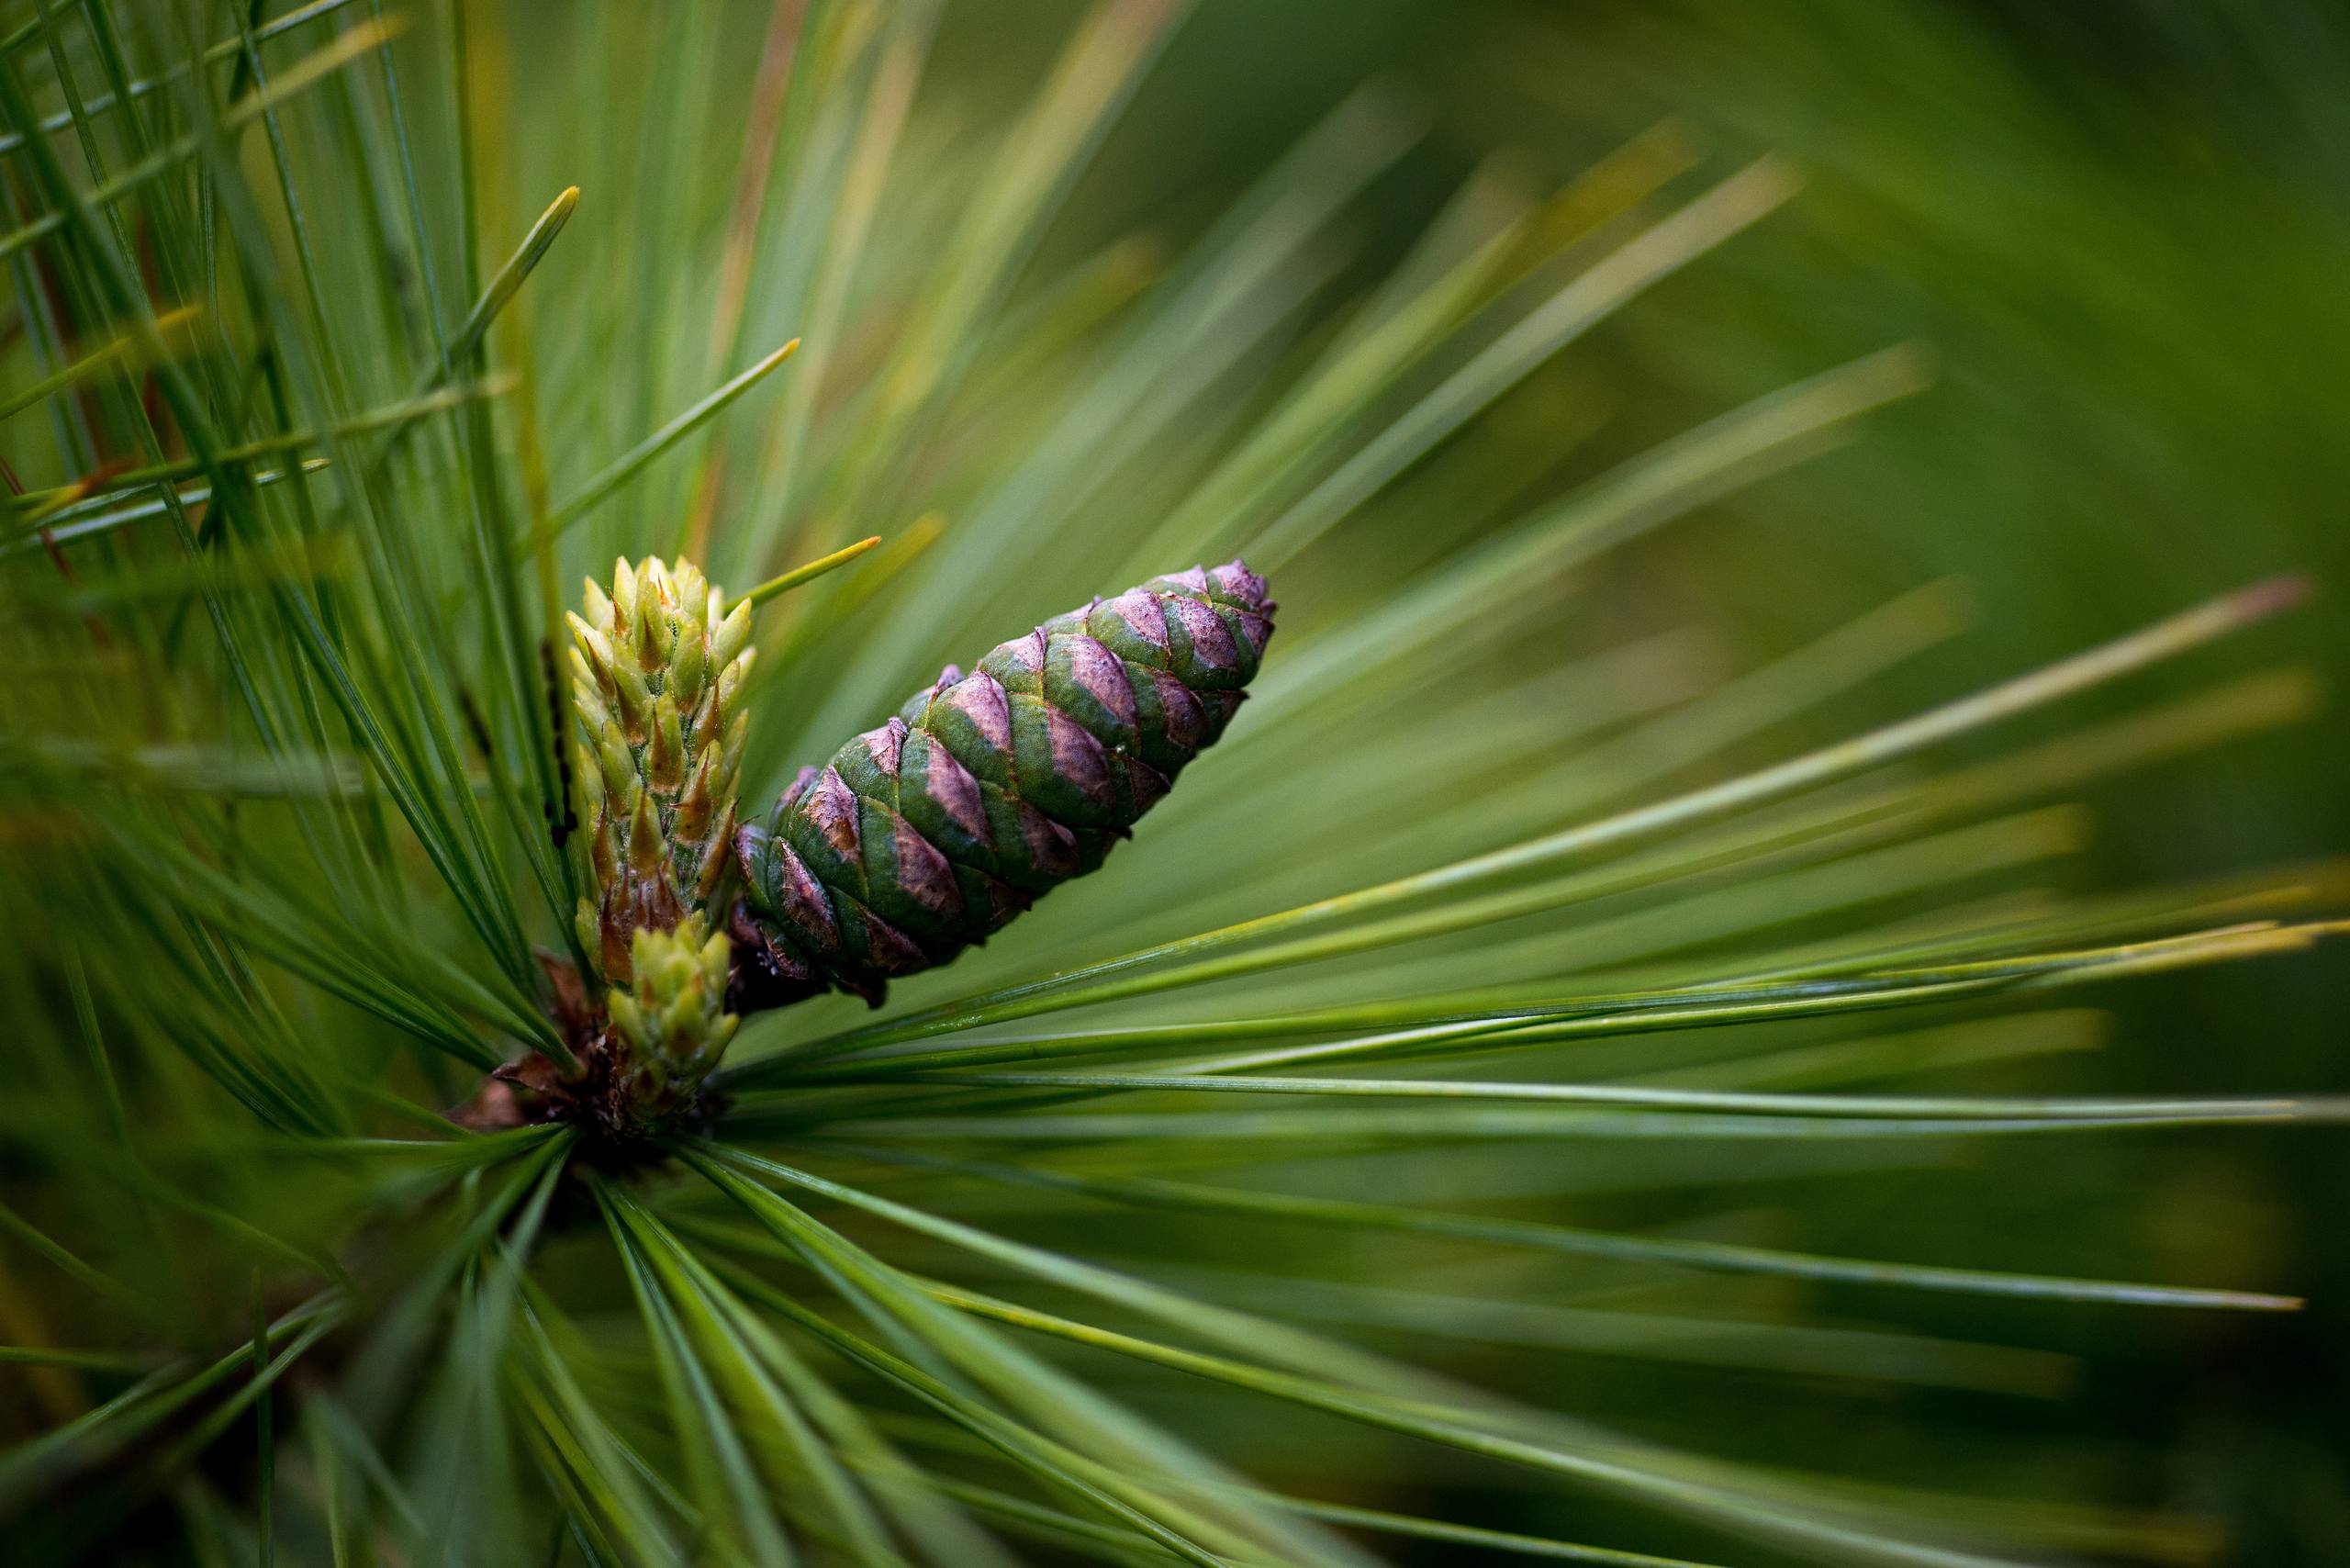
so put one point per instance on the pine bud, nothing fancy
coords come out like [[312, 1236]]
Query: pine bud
[[672, 1021], [656, 665], [987, 791]]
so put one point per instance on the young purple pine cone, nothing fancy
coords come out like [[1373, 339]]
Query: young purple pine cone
[[987, 790]]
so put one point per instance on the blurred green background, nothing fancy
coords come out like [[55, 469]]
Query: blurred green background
[[2121, 228]]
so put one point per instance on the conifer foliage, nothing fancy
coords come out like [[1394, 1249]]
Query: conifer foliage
[[1497, 1080]]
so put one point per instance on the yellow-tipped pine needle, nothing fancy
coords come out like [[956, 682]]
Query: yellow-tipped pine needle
[[808, 573]]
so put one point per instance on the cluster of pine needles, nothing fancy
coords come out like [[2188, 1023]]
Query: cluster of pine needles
[[1470, 1029]]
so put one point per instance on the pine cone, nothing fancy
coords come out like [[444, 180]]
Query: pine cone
[[922, 837], [656, 671]]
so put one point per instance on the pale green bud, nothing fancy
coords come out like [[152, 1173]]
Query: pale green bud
[[658, 672]]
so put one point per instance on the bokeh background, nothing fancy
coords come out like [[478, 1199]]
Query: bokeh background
[[2121, 228]]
